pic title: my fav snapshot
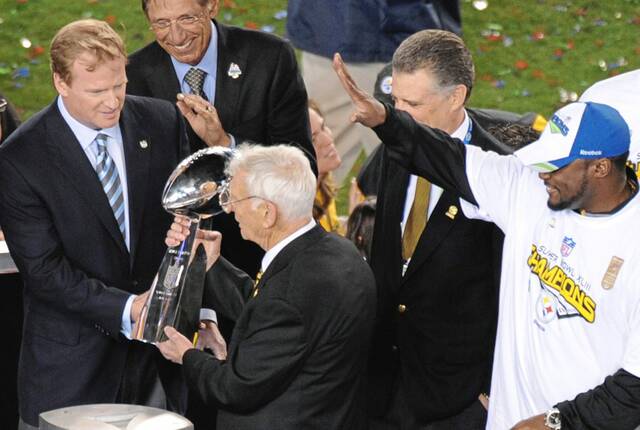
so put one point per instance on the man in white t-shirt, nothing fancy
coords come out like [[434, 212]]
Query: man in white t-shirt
[[622, 92], [568, 342]]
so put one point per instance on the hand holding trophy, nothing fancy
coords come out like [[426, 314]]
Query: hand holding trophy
[[192, 191]]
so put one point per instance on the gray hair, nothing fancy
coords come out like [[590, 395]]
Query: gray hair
[[441, 52], [280, 174], [145, 5]]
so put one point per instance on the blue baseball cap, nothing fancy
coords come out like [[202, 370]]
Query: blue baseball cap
[[577, 131]]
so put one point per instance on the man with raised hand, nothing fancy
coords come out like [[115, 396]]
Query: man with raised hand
[[568, 342]]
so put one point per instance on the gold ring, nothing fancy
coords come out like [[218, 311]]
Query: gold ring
[[208, 109]]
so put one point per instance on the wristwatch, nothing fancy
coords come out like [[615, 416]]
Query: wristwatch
[[552, 419]]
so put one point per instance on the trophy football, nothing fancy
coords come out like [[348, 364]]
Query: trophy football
[[192, 191]]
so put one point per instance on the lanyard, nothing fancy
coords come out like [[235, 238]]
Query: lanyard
[[467, 137]]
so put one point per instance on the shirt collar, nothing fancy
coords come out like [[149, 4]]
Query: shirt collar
[[461, 131], [271, 254], [208, 62], [85, 135]]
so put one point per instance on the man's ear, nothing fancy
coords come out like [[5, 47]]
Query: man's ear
[[214, 7], [601, 167], [269, 213], [458, 97], [61, 86]]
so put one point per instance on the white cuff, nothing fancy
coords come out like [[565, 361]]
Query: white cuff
[[208, 314]]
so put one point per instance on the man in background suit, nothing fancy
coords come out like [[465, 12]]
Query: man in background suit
[[250, 81], [296, 357], [80, 207], [9, 119], [436, 271]]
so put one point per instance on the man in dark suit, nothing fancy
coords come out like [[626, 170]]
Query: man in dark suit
[[297, 355], [247, 87], [436, 271], [80, 207]]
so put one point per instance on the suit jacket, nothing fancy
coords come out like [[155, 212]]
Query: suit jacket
[[266, 104], [76, 268], [436, 324], [296, 358]]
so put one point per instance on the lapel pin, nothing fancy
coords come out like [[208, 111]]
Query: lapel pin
[[143, 144], [234, 71], [452, 212]]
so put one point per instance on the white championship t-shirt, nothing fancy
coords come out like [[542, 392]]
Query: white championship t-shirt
[[569, 293], [623, 93]]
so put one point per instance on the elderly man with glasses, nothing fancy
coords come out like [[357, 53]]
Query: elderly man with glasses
[[296, 358]]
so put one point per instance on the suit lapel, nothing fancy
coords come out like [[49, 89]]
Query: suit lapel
[[395, 196], [72, 163], [285, 256], [481, 137], [163, 81], [443, 218], [137, 159], [228, 88]]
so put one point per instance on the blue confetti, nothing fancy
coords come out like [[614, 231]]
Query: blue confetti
[[280, 15], [21, 72], [268, 28]]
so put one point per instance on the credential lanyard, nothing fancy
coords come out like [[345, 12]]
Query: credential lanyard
[[467, 137]]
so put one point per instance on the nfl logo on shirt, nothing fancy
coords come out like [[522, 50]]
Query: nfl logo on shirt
[[567, 246]]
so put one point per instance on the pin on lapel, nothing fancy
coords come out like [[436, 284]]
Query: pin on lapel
[[452, 212], [234, 71], [143, 144]]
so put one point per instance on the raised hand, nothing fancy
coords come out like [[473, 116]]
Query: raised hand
[[367, 110], [204, 119]]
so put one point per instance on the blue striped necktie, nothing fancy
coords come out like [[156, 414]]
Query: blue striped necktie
[[108, 175]]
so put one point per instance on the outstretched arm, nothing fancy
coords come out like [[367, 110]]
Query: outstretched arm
[[424, 151]]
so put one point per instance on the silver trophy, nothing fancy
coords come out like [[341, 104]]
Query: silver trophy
[[193, 191]]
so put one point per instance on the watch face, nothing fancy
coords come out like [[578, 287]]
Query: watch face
[[552, 419]]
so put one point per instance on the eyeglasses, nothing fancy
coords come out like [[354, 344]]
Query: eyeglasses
[[185, 21], [225, 198]]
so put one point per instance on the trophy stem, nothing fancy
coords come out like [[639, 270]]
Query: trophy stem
[[162, 305]]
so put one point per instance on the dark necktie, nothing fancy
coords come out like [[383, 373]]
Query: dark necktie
[[110, 180], [195, 79]]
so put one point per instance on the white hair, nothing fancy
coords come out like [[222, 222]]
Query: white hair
[[280, 174]]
